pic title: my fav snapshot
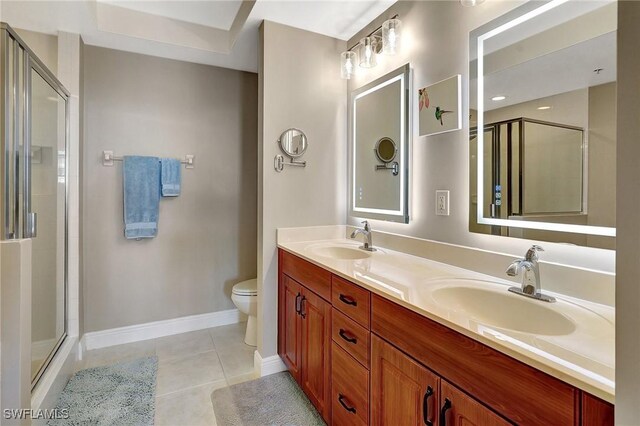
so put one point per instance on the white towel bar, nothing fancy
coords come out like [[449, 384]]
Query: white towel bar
[[108, 158]]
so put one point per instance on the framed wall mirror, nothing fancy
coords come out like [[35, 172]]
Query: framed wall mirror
[[543, 93], [379, 139]]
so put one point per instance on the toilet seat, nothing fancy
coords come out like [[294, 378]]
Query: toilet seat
[[246, 288]]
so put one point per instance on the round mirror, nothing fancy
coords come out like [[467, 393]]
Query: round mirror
[[293, 142], [386, 150]]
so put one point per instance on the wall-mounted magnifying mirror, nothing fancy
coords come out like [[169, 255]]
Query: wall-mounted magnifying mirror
[[543, 91], [386, 151], [293, 142], [379, 121]]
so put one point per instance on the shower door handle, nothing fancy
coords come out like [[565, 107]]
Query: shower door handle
[[32, 225]]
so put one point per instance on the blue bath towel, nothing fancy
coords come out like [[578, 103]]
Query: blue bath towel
[[170, 177], [141, 177]]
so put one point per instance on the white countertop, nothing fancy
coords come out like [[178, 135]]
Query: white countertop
[[583, 357]]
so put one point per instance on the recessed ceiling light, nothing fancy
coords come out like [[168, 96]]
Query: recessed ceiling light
[[544, 107], [499, 98]]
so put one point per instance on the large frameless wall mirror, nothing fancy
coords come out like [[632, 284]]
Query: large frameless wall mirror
[[543, 123], [379, 148], [35, 115]]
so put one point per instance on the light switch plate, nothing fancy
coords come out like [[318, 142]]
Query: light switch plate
[[442, 202]]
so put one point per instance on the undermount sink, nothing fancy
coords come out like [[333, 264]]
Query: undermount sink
[[341, 252], [498, 308]]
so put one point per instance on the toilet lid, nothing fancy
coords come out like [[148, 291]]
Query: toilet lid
[[246, 288]]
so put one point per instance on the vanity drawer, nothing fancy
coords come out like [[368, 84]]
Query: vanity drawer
[[352, 300], [349, 390], [352, 337], [306, 273]]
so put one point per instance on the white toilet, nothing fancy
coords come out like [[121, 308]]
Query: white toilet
[[245, 297]]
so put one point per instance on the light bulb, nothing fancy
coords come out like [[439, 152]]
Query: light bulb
[[348, 66], [368, 52], [391, 30]]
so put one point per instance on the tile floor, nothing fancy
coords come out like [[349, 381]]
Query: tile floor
[[190, 367]]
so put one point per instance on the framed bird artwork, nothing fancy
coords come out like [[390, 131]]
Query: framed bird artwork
[[439, 107]]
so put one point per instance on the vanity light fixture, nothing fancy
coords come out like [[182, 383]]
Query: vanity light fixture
[[542, 108], [384, 39], [347, 64], [499, 98]]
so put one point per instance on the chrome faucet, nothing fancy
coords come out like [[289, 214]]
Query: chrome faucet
[[530, 275], [366, 231]]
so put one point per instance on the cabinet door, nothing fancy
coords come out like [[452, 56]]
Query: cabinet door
[[457, 408], [290, 327], [596, 412], [403, 392], [316, 351]]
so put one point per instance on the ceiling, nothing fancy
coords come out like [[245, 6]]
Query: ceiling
[[220, 33]]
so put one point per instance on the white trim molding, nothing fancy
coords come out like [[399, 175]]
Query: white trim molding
[[153, 330], [267, 366], [54, 379]]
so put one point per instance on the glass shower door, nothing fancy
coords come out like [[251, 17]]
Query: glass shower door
[[47, 164]]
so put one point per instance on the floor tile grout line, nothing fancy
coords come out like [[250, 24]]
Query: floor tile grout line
[[171, 394]]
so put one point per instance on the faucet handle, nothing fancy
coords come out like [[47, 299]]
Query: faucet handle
[[532, 253], [366, 225]]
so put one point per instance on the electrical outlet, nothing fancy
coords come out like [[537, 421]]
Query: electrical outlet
[[442, 202]]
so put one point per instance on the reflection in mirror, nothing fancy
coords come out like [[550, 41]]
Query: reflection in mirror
[[543, 91], [293, 142], [380, 134], [386, 150]]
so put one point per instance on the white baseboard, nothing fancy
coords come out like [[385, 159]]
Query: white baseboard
[[267, 366], [153, 330]]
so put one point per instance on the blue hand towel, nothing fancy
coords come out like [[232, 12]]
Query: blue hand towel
[[170, 177], [141, 177]]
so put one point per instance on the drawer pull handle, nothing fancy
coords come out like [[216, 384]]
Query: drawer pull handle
[[425, 406], [341, 399], [298, 303], [443, 412], [346, 337], [348, 300]]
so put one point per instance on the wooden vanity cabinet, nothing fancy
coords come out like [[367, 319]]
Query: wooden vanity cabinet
[[363, 359], [304, 331]]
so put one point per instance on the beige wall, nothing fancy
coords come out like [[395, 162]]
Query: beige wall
[[602, 161], [135, 104], [45, 46], [438, 49], [627, 217], [300, 86]]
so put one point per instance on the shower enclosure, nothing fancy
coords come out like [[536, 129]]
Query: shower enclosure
[[34, 128]]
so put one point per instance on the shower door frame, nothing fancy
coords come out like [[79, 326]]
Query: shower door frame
[[10, 97]]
